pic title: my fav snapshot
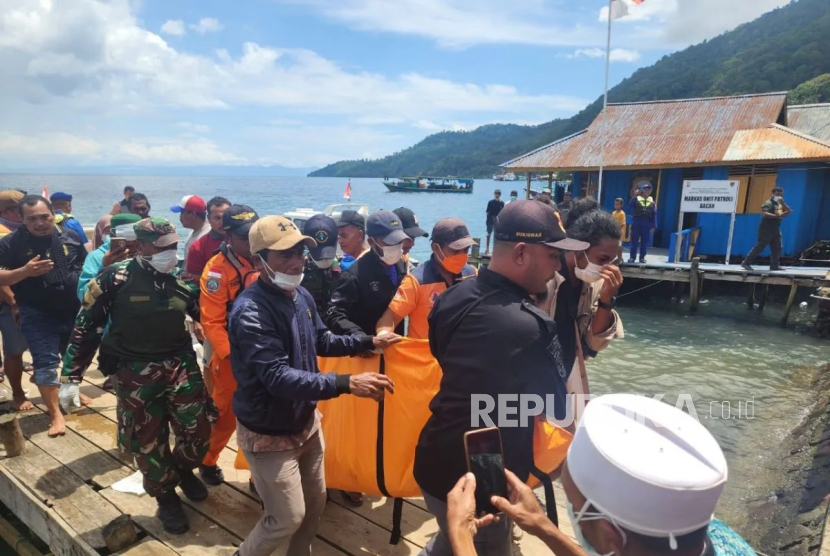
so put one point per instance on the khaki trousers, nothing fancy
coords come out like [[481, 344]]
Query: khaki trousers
[[292, 487]]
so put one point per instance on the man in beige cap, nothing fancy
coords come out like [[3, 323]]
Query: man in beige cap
[[149, 351], [275, 336]]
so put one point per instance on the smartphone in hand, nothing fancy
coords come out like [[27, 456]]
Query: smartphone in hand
[[485, 460]]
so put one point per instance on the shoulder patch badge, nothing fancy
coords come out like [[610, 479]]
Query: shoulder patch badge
[[212, 285]]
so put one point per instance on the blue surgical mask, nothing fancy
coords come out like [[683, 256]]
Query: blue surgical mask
[[580, 536]]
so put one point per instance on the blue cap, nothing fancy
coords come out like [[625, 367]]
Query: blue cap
[[323, 229], [60, 196], [386, 226]]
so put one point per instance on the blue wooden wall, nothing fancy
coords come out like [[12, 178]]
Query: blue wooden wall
[[803, 192], [824, 211], [806, 190]]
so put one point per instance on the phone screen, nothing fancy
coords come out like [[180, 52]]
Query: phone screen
[[486, 462], [118, 243]]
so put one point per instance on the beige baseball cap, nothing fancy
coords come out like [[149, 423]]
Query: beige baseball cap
[[277, 233]]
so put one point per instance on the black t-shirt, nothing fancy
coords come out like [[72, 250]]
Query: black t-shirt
[[56, 292], [769, 227], [493, 209], [490, 339]]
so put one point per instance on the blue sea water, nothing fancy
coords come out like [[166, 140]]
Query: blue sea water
[[94, 196]]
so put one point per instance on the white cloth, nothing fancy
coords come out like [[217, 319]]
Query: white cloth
[[648, 465], [194, 235]]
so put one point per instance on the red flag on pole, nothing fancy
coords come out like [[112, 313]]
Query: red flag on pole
[[347, 194]]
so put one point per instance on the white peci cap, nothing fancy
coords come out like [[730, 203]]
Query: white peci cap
[[649, 466]]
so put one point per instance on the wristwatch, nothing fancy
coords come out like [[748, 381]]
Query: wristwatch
[[608, 306]]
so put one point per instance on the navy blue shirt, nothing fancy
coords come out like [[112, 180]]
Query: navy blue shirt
[[275, 339]]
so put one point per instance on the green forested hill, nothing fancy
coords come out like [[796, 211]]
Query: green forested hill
[[776, 52]]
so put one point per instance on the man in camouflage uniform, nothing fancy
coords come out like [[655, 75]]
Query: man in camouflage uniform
[[322, 269], [157, 381]]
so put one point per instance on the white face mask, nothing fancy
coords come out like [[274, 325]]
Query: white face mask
[[324, 263], [580, 536], [392, 253], [283, 281], [589, 274], [777, 198], [163, 261]]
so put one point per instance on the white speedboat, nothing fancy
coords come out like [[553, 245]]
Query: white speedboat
[[301, 215]]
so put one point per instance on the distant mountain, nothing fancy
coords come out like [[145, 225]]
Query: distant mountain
[[209, 171], [777, 52]]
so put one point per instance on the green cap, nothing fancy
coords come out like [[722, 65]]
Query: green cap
[[156, 230], [124, 218]]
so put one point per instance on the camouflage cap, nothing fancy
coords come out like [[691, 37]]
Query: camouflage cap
[[156, 230]]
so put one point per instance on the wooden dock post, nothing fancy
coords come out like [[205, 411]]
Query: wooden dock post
[[750, 300], [11, 435], [475, 253], [695, 284], [764, 295], [790, 300]]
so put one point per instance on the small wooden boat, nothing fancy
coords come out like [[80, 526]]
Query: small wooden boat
[[430, 185]]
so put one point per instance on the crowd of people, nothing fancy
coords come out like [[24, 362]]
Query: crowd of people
[[265, 299]]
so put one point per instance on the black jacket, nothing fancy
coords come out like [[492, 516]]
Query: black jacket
[[362, 295], [275, 340], [57, 292], [490, 339]]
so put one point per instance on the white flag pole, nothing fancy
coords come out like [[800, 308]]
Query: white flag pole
[[605, 102]]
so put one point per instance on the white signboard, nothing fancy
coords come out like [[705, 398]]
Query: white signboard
[[719, 196]]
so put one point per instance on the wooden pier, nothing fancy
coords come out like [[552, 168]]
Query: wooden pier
[[657, 268], [61, 488], [696, 272]]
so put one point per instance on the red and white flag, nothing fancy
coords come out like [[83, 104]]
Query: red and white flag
[[347, 194], [619, 8], [44, 192]]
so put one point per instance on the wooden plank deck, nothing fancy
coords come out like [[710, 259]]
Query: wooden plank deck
[[62, 489]]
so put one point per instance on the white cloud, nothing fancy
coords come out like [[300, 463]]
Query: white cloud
[[207, 25], [458, 23], [189, 152], [617, 54], [173, 27], [465, 23], [703, 19], [680, 23], [195, 128], [72, 64], [58, 144]]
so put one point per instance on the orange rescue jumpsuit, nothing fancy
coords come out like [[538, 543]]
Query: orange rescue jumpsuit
[[222, 279]]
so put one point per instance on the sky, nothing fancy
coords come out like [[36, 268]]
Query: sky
[[304, 83]]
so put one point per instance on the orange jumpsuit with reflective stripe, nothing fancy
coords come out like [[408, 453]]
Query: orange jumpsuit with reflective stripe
[[222, 279]]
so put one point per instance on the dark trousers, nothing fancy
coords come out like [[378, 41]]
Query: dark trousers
[[774, 243], [639, 234]]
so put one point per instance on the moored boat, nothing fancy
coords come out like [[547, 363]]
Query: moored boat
[[431, 185]]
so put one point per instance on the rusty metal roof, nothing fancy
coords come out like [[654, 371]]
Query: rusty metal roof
[[680, 132], [812, 119]]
